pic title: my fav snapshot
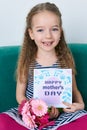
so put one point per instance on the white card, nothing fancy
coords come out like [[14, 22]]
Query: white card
[[53, 85]]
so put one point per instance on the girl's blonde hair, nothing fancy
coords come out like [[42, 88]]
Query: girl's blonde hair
[[29, 48]]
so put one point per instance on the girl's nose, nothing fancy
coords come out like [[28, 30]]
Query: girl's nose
[[48, 34]]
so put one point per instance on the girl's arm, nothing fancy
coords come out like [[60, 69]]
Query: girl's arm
[[20, 91], [78, 103]]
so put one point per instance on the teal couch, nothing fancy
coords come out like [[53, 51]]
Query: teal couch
[[8, 63]]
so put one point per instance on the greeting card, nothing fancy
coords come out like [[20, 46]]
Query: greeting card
[[53, 85]]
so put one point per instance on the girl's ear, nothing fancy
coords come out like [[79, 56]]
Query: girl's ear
[[31, 34]]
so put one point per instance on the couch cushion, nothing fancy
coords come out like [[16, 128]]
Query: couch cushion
[[8, 60], [80, 55]]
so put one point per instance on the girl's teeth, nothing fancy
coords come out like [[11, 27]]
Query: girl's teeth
[[48, 43]]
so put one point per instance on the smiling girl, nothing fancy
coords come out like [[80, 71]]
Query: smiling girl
[[44, 46]]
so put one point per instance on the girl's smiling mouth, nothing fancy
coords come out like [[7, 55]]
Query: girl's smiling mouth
[[48, 43]]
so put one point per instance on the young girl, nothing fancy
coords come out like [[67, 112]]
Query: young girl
[[44, 46]]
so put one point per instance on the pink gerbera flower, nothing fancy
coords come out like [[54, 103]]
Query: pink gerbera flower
[[26, 108], [39, 107], [35, 113], [29, 121]]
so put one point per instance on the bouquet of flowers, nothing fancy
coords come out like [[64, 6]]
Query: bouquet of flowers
[[35, 113]]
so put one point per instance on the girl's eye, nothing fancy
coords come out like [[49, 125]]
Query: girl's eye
[[55, 29], [39, 30]]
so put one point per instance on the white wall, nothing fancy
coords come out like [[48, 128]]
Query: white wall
[[13, 14]]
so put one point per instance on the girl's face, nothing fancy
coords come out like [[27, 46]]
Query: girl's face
[[46, 30]]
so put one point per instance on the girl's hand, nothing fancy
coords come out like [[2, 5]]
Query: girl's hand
[[54, 112], [73, 107]]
